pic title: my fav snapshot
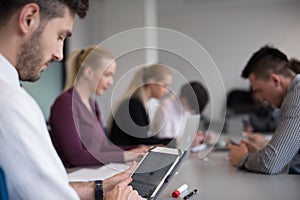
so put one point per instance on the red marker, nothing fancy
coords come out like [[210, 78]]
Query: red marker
[[181, 189]]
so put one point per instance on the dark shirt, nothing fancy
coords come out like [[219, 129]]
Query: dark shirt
[[77, 134], [130, 125]]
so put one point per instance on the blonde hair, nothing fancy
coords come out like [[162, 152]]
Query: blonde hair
[[142, 77], [79, 59], [137, 86]]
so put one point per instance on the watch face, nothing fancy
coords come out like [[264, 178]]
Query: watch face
[[99, 182]]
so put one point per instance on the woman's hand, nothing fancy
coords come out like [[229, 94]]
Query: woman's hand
[[135, 153]]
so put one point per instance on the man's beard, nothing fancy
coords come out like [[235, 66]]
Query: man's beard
[[30, 57]]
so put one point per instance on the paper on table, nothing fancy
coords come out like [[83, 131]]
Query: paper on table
[[99, 173], [199, 147]]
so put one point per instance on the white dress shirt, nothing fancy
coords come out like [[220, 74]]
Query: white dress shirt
[[170, 119], [31, 165]]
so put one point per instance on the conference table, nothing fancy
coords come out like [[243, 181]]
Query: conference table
[[214, 178]]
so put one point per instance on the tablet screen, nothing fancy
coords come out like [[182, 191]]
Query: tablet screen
[[151, 172]]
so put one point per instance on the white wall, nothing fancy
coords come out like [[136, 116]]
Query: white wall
[[230, 31], [105, 19]]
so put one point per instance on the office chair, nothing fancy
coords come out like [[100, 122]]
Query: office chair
[[239, 102], [3, 189]]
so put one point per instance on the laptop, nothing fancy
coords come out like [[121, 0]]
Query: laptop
[[188, 134]]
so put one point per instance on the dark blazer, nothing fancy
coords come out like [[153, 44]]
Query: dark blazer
[[130, 125]]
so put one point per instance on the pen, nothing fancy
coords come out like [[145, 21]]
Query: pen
[[190, 194]]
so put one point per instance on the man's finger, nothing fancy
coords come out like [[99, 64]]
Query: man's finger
[[229, 146], [125, 182], [132, 168]]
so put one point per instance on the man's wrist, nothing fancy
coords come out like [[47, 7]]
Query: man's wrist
[[98, 190], [242, 166]]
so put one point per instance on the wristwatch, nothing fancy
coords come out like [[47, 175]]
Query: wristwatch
[[98, 190]]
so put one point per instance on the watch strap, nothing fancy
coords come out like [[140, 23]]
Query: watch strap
[[98, 190]]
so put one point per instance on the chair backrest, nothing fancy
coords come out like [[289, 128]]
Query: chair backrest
[[240, 102], [3, 189]]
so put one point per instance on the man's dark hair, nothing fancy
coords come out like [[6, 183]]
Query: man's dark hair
[[196, 96], [49, 9], [265, 61]]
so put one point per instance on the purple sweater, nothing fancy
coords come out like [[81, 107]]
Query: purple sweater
[[77, 134]]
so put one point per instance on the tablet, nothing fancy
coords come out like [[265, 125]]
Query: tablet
[[155, 170]]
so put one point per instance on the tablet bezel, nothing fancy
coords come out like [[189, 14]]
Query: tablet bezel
[[169, 151]]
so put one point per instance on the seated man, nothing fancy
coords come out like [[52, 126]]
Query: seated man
[[31, 36], [272, 81]]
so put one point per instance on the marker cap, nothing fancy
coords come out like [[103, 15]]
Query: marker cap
[[181, 189], [176, 194]]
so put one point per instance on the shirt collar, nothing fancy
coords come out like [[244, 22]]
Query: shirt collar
[[8, 73]]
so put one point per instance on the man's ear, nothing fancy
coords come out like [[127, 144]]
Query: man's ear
[[29, 18], [276, 79]]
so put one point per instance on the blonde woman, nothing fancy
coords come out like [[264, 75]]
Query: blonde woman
[[77, 130], [130, 121]]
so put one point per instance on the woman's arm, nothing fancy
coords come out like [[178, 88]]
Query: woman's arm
[[65, 135]]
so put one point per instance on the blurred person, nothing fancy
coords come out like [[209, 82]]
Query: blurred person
[[263, 119], [129, 124], [295, 65], [171, 116], [77, 130]]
